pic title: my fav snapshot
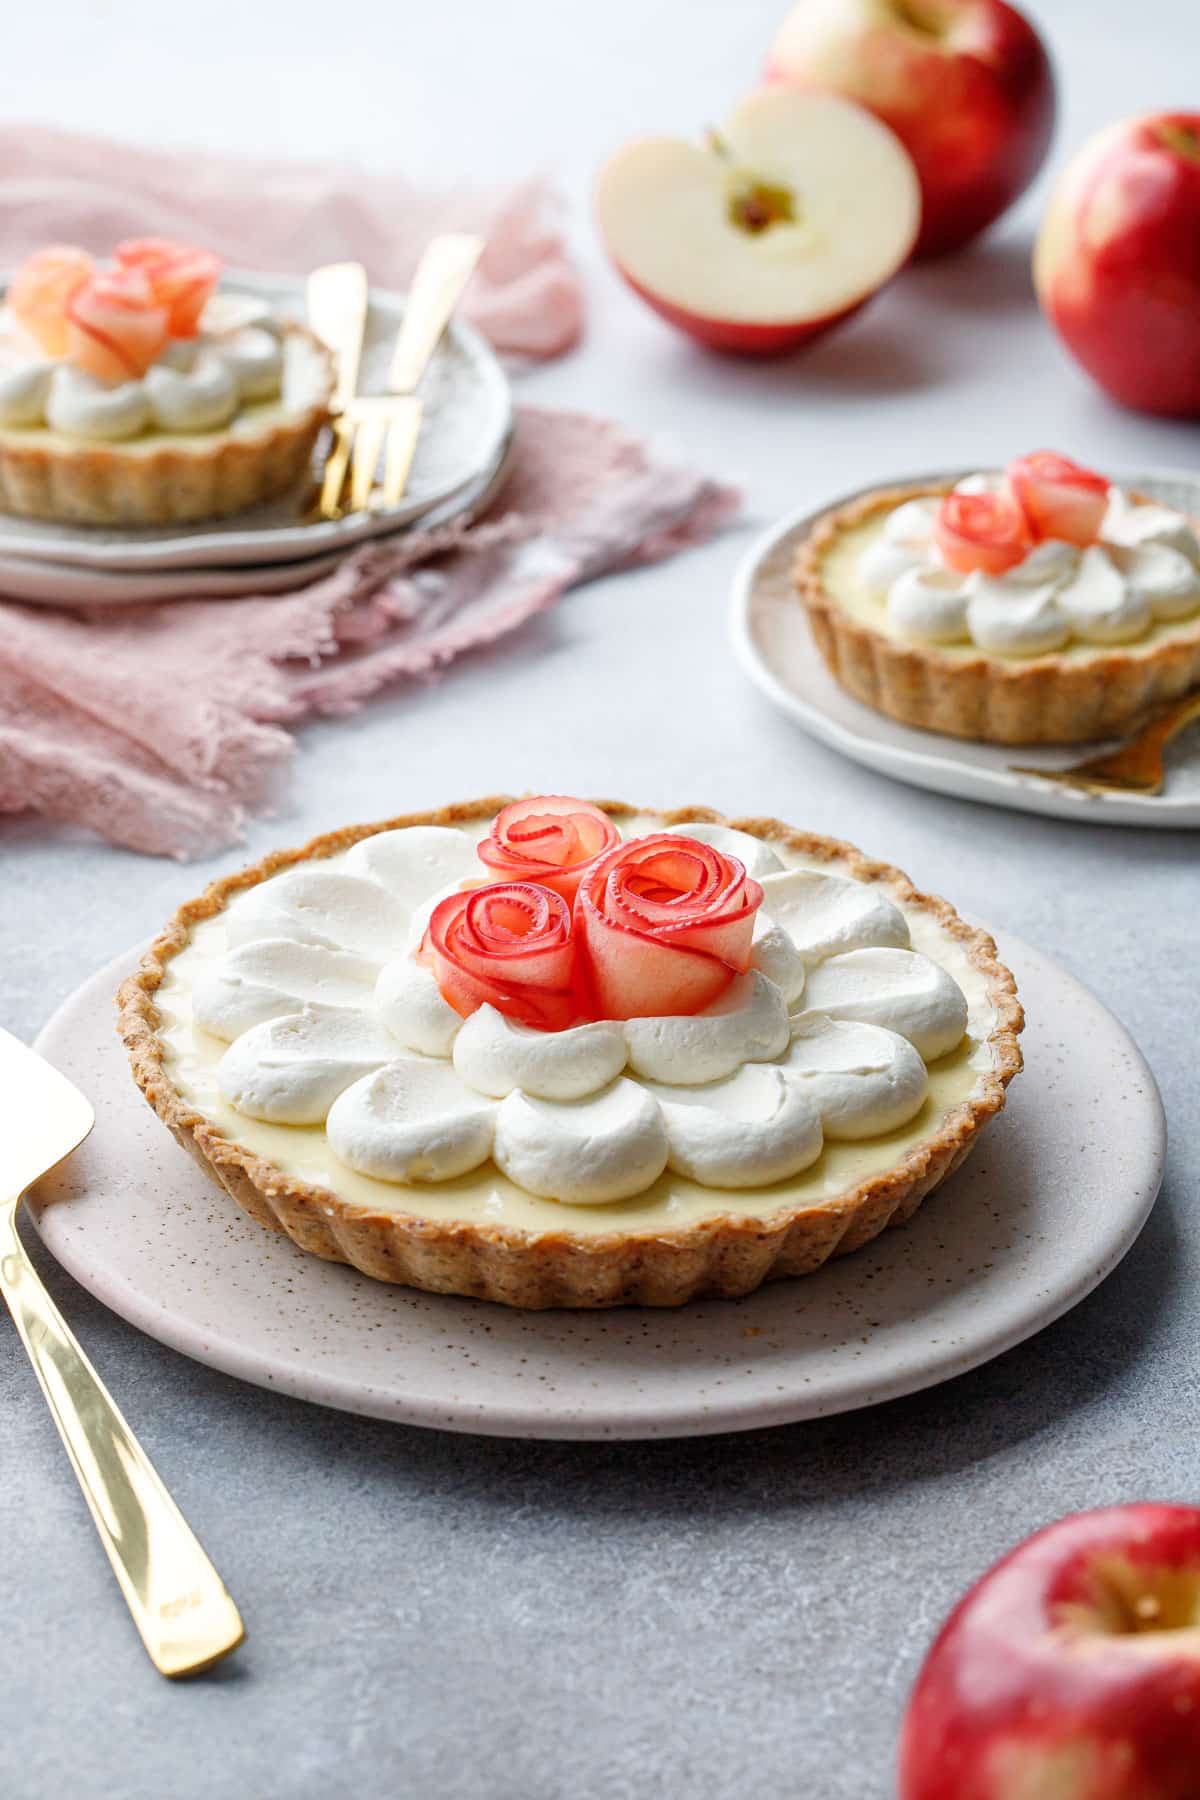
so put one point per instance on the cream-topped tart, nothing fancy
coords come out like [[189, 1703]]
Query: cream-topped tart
[[1040, 604], [555, 1054], [138, 395]]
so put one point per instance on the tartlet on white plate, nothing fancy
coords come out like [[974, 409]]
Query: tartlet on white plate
[[1067, 617], [139, 395], [309, 1032]]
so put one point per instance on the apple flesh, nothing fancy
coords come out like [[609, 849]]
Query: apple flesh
[[773, 231], [1070, 1671], [966, 85], [1117, 265]]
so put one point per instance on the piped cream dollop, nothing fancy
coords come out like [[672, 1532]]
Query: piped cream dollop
[[747, 1130], [412, 1120], [496, 1055], [290, 1071], [747, 1023], [271, 977], [826, 914], [587, 1152], [862, 1079], [900, 990]]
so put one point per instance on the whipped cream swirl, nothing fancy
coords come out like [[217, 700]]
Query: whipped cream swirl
[[1144, 570], [330, 1020], [196, 384]]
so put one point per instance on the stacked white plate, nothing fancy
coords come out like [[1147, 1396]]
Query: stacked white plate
[[465, 439]]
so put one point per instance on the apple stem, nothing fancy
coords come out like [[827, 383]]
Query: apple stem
[[1183, 139], [919, 18]]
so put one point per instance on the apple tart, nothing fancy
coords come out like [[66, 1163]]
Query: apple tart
[[1037, 605], [139, 395], [551, 1053]]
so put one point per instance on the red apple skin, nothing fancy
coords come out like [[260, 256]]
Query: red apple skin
[[974, 107], [741, 337], [1117, 266], [1011, 1702]]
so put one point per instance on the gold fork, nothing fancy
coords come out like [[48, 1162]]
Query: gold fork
[[179, 1603], [336, 300], [1135, 768], [371, 425]]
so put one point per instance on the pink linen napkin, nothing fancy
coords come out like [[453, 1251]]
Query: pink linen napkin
[[60, 187], [159, 726]]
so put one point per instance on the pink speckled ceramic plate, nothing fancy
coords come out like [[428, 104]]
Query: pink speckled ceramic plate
[[1043, 1210]]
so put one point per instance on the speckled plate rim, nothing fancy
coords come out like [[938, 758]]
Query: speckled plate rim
[[921, 758], [925, 1343], [226, 542]]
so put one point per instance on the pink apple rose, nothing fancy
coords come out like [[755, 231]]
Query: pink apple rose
[[509, 946], [665, 924], [181, 277], [551, 839], [1058, 498], [981, 531], [115, 326], [40, 290]]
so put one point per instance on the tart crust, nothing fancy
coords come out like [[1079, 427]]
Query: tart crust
[[208, 475], [722, 1256], [1034, 700]]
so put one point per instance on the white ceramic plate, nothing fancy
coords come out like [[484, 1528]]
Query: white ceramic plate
[[468, 415], [43, 583], [1037, 1216], [773, 642]]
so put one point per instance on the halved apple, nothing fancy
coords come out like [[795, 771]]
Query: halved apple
[[773, 231]]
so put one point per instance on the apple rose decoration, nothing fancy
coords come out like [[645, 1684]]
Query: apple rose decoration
[[551, 839], [509, 946], [40, 290], [115, 325], [981, 531], [665, 923], [1058, 498], [181, 278]]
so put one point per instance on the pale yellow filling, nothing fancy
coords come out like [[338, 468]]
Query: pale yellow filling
[[843, 583], [487, 1197]]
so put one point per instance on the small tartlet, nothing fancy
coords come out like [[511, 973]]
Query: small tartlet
[[135, 393], [169, 479], [724, 1254], [1097, 691]]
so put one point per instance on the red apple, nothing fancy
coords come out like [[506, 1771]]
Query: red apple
[[965, 84], [1071, 1671], [1117, 265], [771, 232]]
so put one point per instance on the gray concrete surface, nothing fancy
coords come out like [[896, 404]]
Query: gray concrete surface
[[441, 1616]]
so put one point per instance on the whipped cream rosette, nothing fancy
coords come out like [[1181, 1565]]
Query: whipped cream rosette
[[686, 1046]]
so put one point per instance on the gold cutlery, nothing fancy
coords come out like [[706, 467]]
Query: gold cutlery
[[179, 1603], [336, 298], [369, 426], [1135, 768], [442, 273]]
